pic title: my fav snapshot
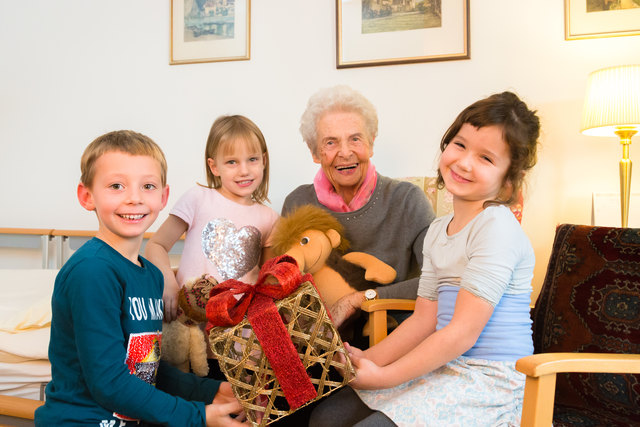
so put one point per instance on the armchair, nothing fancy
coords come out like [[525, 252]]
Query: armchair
[[586, 331]]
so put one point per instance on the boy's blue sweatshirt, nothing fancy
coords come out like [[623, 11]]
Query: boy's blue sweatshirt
[[106, 334]]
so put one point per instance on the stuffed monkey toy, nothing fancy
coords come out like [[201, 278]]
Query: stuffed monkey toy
[[315, 238]]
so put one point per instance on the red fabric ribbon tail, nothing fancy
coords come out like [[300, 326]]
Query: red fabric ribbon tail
[[280, 351]]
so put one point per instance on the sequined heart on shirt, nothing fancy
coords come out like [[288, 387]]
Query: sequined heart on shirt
[[234, 252]]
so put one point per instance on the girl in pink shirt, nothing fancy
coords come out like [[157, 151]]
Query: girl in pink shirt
[[227, 224]]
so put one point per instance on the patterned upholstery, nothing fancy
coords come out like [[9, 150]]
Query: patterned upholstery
[[441, 200], [590, 302]]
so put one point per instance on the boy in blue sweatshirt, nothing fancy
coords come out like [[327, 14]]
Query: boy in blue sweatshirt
[[106, 327]]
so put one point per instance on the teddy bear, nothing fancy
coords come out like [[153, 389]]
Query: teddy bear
[[183, 341]]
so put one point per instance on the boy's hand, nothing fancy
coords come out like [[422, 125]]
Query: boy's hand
[[224, 404], [170, 298], [224, 394], [220, 415]]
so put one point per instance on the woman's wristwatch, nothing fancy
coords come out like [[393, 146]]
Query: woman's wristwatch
[[370, 294]]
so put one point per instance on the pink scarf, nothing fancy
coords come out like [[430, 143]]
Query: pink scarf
[[328, 197]]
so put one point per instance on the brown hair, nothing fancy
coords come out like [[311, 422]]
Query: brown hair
[[126, 141], [224, 133], [520, 130]]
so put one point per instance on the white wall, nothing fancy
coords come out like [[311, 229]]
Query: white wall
[[74, 69]]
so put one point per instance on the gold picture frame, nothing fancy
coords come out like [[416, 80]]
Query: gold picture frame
[[214, 31], [372, 32], [588, 19]]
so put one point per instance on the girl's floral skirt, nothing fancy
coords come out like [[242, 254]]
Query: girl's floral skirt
[[464, 392]]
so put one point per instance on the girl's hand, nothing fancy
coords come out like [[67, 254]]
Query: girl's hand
[[369, 376], [223, 406], [353, 351], [157, 251], [170, 298]]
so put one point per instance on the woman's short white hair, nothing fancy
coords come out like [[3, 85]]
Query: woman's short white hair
[[336, 98]]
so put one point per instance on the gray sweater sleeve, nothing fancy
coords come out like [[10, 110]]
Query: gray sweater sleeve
[[407, 289]]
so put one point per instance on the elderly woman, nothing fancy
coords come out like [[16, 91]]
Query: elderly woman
[[381, 216]]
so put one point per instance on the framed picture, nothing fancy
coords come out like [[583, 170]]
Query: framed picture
[[383, 32], [585, 19], [210, 31]]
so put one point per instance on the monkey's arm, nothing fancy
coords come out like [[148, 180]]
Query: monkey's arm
[[375, 269]]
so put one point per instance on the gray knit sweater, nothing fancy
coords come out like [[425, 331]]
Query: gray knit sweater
[[391, 227]]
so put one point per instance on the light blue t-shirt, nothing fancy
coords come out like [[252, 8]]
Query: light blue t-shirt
[[492, 258]]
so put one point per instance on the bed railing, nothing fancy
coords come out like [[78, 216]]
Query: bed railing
[[56, 246]]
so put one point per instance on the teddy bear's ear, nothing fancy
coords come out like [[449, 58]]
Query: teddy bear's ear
[[334, 237], [188, 285]]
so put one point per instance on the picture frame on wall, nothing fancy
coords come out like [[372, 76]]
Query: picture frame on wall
[[210, 31], [586, 19], [377, 32]]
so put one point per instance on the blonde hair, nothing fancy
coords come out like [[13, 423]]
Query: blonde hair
[[225, 131], [125, 141]]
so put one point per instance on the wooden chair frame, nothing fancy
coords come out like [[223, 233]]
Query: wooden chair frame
[[541, 370], [19, 407], [377, 310]]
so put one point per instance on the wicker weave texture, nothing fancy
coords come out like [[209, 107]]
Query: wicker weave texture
[[248, 370]]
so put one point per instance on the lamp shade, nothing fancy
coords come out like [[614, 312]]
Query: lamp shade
[[612, 101]]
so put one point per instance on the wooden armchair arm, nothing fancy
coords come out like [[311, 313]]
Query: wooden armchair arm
[[377, 310], [388, 304], [541, 370], [19, 407]]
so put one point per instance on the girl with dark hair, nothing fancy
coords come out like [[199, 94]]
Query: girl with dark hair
[[453, 361]]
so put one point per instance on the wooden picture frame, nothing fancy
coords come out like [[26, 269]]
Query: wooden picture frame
[[587, 19], [210, 32], [371, 33]]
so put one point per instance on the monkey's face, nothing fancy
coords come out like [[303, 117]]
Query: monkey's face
[[313, 249]]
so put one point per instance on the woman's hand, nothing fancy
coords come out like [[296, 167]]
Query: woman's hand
[[346, 307], [223, 406]]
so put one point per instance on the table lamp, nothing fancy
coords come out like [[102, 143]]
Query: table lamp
[[612, 107]]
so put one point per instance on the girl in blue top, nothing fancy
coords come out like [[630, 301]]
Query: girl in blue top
[[453, 361]]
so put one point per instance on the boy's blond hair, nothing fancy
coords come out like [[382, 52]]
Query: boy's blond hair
[[125, 141]]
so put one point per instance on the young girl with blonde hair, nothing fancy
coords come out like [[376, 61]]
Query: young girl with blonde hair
[[227, 224]]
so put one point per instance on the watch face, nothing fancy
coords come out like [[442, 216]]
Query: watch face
[[370, 294]]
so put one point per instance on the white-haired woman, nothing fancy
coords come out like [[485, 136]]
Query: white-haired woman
[[381, 216]]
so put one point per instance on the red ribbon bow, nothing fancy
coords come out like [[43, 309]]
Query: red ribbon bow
[[223, 309]]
